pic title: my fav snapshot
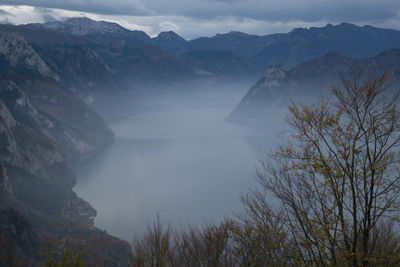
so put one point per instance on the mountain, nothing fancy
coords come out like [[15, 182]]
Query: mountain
[[309, 80], [299, 45], [350, 40], [44, 130], [82, 26], [170, 42], [239, 43], [37, 203]]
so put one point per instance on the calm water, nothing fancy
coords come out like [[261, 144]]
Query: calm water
[[186, 164]]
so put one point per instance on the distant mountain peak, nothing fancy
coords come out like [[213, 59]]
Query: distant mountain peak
[[343, 25], [79, 20], [169, 35], [233, 33], [240, 34], [83, 26], [346, 24]]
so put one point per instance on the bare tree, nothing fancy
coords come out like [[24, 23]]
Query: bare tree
[[259, 237], [206, 246], [337, 182], [154, 248]]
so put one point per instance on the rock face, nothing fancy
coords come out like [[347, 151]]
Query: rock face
[[80, 69], [32, 93], [81, 26], [43, 130], [19, 54], [37, 201], [309, 80], [43, 105]]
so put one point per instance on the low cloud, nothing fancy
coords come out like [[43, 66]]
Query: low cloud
[[169, 26], [131, 7], [266, 10]]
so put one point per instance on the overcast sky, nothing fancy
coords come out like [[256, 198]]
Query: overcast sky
[[195, 18]]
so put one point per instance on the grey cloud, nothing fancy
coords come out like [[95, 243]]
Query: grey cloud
[[131, 7], [47, 14], [266, 10], [290, 10]]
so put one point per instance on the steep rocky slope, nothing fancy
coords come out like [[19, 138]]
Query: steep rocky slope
[[43, 130], [309, 80], [37, 203], [45, 105], [19, 54]]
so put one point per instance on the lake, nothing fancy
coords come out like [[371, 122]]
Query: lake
[[184, 162]]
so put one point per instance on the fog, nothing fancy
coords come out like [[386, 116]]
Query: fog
[[181, 160]]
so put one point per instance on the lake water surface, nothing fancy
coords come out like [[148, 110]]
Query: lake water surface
[[183, 162]]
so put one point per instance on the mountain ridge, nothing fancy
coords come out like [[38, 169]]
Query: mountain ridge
[[310, 79]]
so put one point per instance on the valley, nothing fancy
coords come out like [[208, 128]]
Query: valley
[[105, 130]]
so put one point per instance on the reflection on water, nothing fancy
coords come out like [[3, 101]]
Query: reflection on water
[[187, 164]]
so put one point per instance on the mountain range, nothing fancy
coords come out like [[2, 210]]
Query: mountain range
[[290, 49], [111, 68]]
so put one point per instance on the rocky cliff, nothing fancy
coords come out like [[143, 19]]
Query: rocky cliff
[[34, 95], [44, 129]]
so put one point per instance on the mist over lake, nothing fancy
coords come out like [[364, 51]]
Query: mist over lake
[[181, 160]]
